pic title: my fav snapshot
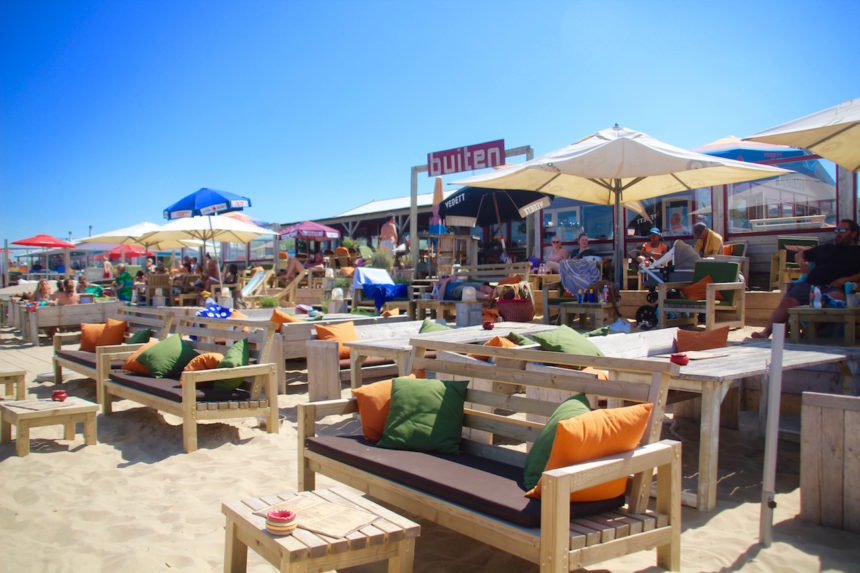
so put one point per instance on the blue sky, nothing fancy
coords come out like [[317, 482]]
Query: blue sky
[[110, 111]]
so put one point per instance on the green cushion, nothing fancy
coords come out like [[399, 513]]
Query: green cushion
[[721, 272], [567, 340], [519, 339], [167, 358], [425, 415], [140, 337], [602, 331], [430, 325], [238, 355], [539, 454]]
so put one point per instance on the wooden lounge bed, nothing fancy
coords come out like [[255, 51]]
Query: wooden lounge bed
[[493, 272], [477, 494], [88, 363], [194, 402]]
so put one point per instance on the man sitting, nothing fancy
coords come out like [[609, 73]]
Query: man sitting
[[834, 264]]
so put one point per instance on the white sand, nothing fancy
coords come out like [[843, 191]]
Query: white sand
[[136, 502]]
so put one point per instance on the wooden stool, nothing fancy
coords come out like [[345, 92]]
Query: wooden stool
[[599, 313], [15, 382], [390, 537], [26, 414]]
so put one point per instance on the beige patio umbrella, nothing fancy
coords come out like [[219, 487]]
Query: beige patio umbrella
[[833, 133], [621, 165]]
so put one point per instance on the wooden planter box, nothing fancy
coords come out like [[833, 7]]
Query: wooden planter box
[[830, 460]]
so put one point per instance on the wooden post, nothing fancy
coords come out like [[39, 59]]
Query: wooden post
[[771, 436]]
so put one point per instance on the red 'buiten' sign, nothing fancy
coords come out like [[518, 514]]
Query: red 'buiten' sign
[[469, 158]]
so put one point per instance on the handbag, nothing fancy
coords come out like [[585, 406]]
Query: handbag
[[516, 309]]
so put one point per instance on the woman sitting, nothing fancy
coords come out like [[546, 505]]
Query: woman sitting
[[557, 255], [67, 294]]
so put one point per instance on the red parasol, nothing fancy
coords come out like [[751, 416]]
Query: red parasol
[[46, 241], [129, 252]]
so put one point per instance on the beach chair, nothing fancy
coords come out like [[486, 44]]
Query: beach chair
[[783, 267], [155, 282], [725, 310], [341, 255], [286, 296]]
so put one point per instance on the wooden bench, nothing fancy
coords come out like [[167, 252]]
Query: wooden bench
[[296, 334], [847, 317], [65, 316], [326, 371], [195, 404], [89, 363], [558, 543], [493, 272]]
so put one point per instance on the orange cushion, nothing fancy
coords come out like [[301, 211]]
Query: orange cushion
[[516, 279], [374, 402], [727, 249], [489, 315], [237, 314], [601, 374], [391, 312], [698, 289], [695, 340], [594, 435], [280, 317], [113, 333], [132, 365], [205, 361], [498, 342], [341, 331], [90, 333]]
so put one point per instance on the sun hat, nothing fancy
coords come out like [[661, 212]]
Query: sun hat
[[655, 231]]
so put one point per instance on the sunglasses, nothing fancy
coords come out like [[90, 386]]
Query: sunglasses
[[840, 230], [556, 242]]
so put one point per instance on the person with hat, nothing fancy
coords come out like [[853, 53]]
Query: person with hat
[[708, 241], [651, 250]]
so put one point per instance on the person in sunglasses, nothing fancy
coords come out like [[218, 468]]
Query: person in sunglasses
[[556, 255], [832, 265]]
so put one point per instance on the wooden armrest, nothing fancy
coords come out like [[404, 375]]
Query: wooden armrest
[[66, 338], [323, 408], [595, 472], [675, 284], [197, 376], [725, 286], [117, 351]]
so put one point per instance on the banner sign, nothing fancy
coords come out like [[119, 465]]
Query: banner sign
[[534, 207], [469, 158]]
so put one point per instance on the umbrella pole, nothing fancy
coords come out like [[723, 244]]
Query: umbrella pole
[[619, 236], [499, 219], [217, 261]]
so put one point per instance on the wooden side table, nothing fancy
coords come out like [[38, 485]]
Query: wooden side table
[[599, 313], [15, 382], [848, 317], [390, 537], [26, 414]]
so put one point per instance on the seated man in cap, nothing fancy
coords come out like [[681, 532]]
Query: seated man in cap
[[652, 250]]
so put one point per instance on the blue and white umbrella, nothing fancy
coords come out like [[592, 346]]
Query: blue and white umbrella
[[206, 202]]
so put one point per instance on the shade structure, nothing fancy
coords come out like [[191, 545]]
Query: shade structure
[[217, 228], [833, 133], [206, 201], [619, 165], [311, 231], [489, 206], [44, 241]]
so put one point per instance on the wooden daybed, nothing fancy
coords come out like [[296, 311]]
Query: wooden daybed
[[194, 402], [89, 363], [477, 494]]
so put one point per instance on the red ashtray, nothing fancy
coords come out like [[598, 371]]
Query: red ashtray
[[281, 515], [488, 325], [59, 395], [679, 358]]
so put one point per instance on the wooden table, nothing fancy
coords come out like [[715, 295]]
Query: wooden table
[[25, 415], [390, 537], [713, 377], [400, 350], [600, 313], [446, 309], [848, 317], [15, 382]]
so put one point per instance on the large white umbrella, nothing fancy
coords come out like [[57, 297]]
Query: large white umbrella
[[833, 133], [620, 165], [132, 236], [216, 228]]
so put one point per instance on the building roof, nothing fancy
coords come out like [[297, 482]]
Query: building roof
[[383, 206]]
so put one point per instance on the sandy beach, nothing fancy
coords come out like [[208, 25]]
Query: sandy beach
[[137, 502]]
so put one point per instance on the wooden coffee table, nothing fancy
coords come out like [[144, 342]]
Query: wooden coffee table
[[599, 313], [26, 414], [390, 537]]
